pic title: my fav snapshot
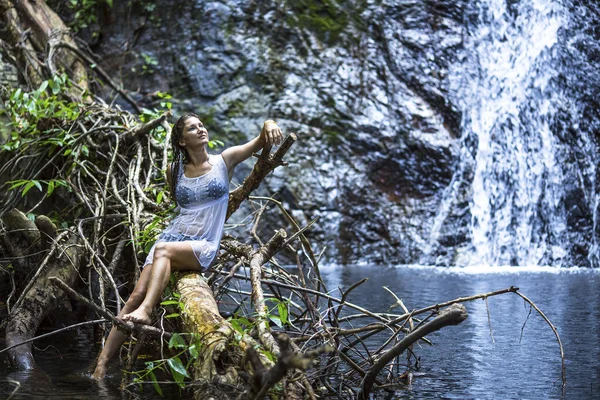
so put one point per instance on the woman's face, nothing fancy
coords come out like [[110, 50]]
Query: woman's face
[[194, 134]]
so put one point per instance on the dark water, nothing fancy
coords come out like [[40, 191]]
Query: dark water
[[463, 363]]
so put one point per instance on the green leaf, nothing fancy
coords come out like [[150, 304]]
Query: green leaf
[[55, 85], [193, 349], [177, 341], [16, 95], [276, 320], [173, 315], [50, 187], [29, 185], [236, 325], [67, 152], [169, 302], [176, 365], [38, 185], [283, 312], [43, 86], [159, 197], [155, 383], [16, 184]]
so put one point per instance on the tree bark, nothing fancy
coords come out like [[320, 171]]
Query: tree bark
[[31, 25], [453, 315], [42, 298], [223, 357]]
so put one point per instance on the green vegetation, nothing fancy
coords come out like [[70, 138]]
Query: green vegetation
[[86, 13], [327, 19], [148, 64], [187, 351], [40, 113], [188, 346]]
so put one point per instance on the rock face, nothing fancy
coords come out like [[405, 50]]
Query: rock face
[[370, 88]]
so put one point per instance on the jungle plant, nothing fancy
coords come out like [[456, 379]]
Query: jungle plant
[[86, 12]]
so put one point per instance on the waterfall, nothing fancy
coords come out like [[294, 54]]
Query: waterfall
[[509, 100]]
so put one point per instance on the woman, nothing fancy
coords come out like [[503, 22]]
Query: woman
[[199, 183]]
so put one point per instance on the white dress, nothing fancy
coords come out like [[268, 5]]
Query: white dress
[[201, 211]]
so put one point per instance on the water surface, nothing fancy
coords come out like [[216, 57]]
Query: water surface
[[464, 361]]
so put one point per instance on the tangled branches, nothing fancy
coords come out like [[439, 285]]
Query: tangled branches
[[100, 173]]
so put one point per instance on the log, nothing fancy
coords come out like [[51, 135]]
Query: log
[[40, 301], [43, 24], [288, 360], [222, 359], [21, 240], [453, 315], [17, 35]]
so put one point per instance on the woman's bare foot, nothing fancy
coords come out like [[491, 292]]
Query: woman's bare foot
[[139, 316], [99, 372]]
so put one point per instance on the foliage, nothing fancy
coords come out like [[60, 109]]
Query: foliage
[[187, 351], [35, 118], [149, 62], [26, 184], [281, 306], [86, 12], [185, 345], [30, 113], [189, 345], [326, 19]]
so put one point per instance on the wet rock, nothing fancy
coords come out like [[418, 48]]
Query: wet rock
[[370, 88]]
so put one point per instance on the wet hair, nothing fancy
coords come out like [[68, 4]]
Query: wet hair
[[180, 155]]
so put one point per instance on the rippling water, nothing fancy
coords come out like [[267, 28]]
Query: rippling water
[[464, 361]]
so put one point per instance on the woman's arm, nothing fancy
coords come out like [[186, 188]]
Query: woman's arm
[[269, 135]]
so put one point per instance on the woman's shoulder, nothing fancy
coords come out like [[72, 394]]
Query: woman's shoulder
[[216, 158]]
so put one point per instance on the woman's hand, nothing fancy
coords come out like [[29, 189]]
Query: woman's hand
[[271, 133]]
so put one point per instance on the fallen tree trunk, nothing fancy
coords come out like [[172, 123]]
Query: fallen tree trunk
[[222, 359], [41, 298]]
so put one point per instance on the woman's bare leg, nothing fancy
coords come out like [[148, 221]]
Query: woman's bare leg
[[168, 256], [116, 338]]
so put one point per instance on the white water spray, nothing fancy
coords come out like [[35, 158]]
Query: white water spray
[[516, 208]]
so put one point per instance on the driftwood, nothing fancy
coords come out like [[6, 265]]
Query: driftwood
[[115, 211], [453, 315], [266, 163]]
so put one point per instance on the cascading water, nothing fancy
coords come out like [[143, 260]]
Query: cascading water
[[517, 212]]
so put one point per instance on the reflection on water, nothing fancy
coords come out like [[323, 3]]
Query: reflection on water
[[464, 361]]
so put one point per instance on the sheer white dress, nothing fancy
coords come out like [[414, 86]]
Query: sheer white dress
[[201, 210]]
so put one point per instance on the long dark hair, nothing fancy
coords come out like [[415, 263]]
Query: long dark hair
[[180, 155]]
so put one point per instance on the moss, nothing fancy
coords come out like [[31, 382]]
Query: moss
[[236, 108], [332, 136], [326, 18]]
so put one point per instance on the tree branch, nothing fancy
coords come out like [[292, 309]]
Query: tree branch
[[453, 315]]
